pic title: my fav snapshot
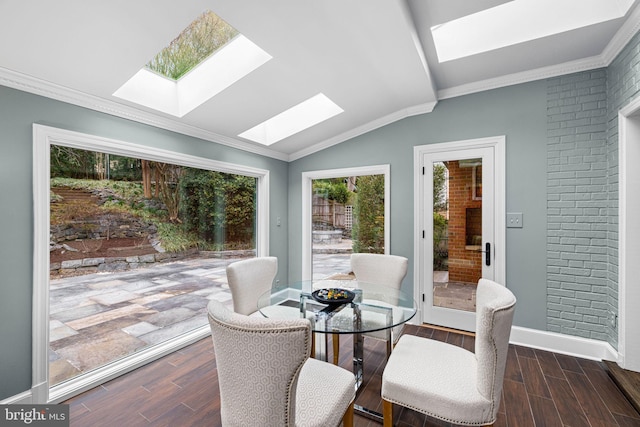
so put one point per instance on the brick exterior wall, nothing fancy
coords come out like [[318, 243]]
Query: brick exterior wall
[[464, 265]]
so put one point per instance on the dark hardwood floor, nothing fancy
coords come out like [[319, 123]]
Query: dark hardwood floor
[[540, 389]]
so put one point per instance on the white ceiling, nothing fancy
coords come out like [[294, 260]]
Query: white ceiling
[[374, 58]]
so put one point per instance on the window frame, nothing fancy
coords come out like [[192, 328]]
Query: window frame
[[43, 138]]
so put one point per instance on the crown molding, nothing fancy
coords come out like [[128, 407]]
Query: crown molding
[[523, 77], [367, 127], [623, 36], [37, 86]]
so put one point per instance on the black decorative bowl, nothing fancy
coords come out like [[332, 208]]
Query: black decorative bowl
[[333, 296]]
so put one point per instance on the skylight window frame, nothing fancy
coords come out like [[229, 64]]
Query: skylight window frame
[[298, 118], [519, 21], [229, 63]]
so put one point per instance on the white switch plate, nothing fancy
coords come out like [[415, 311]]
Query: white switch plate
[[514, 220]]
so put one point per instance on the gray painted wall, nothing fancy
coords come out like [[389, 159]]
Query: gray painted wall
[[18, 111], [519, 113]]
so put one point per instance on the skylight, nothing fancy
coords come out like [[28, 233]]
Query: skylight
[[520, 21], [206, 58], [296, 119]]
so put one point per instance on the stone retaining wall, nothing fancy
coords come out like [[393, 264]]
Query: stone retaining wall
[[80, 267], [105, 227]]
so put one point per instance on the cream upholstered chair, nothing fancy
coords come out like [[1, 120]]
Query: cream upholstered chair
[[448, 382], [267, 378], [248, 279], [387, 270]]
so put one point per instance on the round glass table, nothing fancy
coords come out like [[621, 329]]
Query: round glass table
[[376, 310]]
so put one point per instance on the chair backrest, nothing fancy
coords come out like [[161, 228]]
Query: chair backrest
[[379, 269], [248, 279], [258, 361], [495, 305]]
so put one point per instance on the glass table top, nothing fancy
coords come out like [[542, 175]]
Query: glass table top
[[374, 307]]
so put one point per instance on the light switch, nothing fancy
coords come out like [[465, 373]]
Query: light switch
[[514, 220]]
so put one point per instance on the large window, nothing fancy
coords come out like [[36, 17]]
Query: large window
[[131, 244]]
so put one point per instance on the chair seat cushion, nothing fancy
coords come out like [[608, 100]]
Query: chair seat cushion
[[418, 375], [323, 394]]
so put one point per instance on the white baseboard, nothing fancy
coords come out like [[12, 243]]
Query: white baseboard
[[23, 398], [564, 344]]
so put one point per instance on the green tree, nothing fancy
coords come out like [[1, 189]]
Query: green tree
[[368, 228], [439, 187], [219, 208], [333, 189], [69, 162], [440, 229]]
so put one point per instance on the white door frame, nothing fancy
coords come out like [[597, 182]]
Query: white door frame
[[498, 144], [628, 236], [307, 198]]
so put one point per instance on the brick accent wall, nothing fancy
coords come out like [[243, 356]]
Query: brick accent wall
[[578, 205], [623, 85], [582, 194], [464, 265]]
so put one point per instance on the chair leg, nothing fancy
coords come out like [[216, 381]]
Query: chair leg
[[347, 418], [313, 345], [387, 413], [336, 348]]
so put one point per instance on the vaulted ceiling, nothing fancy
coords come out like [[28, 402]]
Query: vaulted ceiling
[[376, 59]]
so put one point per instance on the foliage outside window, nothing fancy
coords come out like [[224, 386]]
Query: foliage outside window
[[440, 222], [204, 36], [368, 228], [219, 207], [192, 208], [333, 189]]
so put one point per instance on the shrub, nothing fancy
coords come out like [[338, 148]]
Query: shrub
[[368, 227]]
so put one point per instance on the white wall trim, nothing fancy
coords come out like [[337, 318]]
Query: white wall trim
[[367, 127], [43, 138], [23, 398], [523, 77], [36, 86], [622, 37], [563, 344], [307, 193], [628, 235]]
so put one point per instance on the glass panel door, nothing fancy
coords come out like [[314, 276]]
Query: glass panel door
[[459, 200]]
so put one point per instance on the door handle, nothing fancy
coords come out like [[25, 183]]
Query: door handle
[[487, 253]]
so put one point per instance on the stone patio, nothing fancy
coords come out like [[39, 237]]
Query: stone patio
[[98, 318]]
